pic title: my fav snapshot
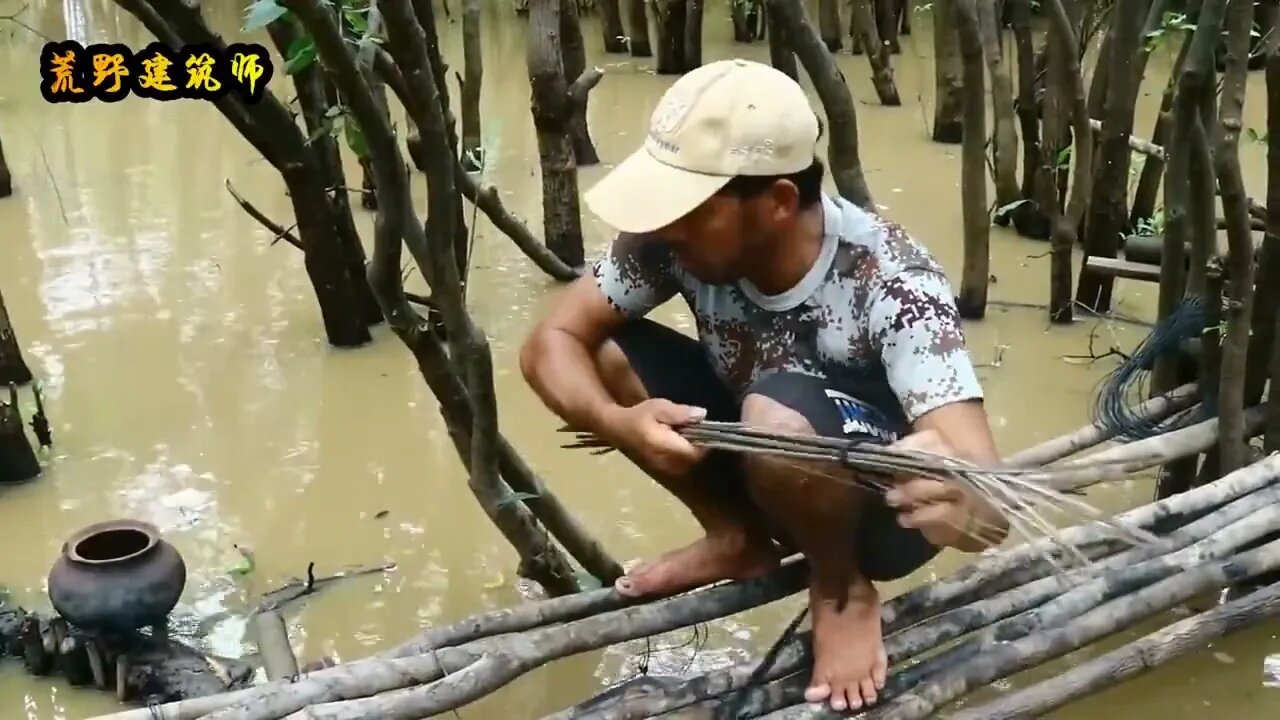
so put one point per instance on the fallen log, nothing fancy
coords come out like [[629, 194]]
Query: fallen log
[[1106, 619], [1155, 409], [1152, 451], [1132, 659]]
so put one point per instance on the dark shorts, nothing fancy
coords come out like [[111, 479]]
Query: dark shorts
[[674, 366]]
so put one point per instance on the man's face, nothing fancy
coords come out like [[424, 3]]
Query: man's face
[[719, 241]]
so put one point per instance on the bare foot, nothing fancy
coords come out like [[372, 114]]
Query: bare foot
[[850, 661], [735, 556]]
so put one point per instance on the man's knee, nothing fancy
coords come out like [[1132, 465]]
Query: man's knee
[[768, 474], [764, 411]]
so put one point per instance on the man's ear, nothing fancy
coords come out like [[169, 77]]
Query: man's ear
[[786, 200]]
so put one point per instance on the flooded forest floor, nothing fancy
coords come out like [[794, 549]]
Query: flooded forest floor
[[184, 368]]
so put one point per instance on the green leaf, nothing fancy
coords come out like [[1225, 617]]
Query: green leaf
[[246, 565], [300, 55], [262, 13], [355, 138], [359, 23]]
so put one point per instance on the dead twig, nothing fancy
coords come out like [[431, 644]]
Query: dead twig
[[281, 232]]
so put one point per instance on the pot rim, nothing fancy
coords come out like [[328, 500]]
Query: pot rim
[[150, 531]]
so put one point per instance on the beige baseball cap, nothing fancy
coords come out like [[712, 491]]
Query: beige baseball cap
[[726, 118]]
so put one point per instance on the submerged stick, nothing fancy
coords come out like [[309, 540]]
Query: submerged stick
[[273, 645], [296, 589]]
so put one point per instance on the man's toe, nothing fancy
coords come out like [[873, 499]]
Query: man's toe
[[839, 699], [817, 693], [625, 586], [869, 691]]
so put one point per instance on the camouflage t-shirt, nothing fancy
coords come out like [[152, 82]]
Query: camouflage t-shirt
[[875, 315]]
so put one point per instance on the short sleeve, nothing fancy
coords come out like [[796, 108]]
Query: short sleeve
[[914, 323], [636, 273]]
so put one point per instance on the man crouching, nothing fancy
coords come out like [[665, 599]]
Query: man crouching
[[813, 316]]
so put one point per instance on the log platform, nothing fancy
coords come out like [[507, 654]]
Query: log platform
[[1009, 610]]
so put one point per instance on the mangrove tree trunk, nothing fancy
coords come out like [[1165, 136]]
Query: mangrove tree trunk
[[615, 38], [18, 461], [13, 369], [863, 20], [551, 114], [1109, 206], [948, 109], [6, 178], [671, 23], [1070, 83], [693, 33], [829, 24], [268, 125], [574, 59], [1005, 147], [972, 301], [638, 24], [1233, 453], [472, 79], [780, 54]]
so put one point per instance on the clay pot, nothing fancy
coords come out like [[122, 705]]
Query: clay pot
[[116, 576]]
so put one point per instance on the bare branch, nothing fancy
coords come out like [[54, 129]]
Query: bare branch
[[281, 232]]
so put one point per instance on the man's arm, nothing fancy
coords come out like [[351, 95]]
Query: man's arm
[[914, 322], [558, 359], [964, 433]]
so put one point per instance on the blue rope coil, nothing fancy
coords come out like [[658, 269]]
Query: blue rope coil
[[1112, 409]]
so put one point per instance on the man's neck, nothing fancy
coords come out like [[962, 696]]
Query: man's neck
[[791, 254]]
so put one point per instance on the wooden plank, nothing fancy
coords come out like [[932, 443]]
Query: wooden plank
[[1123, 268]]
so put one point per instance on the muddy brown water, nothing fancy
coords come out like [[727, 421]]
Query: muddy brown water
[[189, 384]]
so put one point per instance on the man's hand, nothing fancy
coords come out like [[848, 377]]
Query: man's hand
[[948, 514], [645, 433]]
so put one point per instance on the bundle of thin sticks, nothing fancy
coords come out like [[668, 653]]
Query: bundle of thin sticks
[[1021, 494]]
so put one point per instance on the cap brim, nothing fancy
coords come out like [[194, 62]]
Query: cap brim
[[642, 194]]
